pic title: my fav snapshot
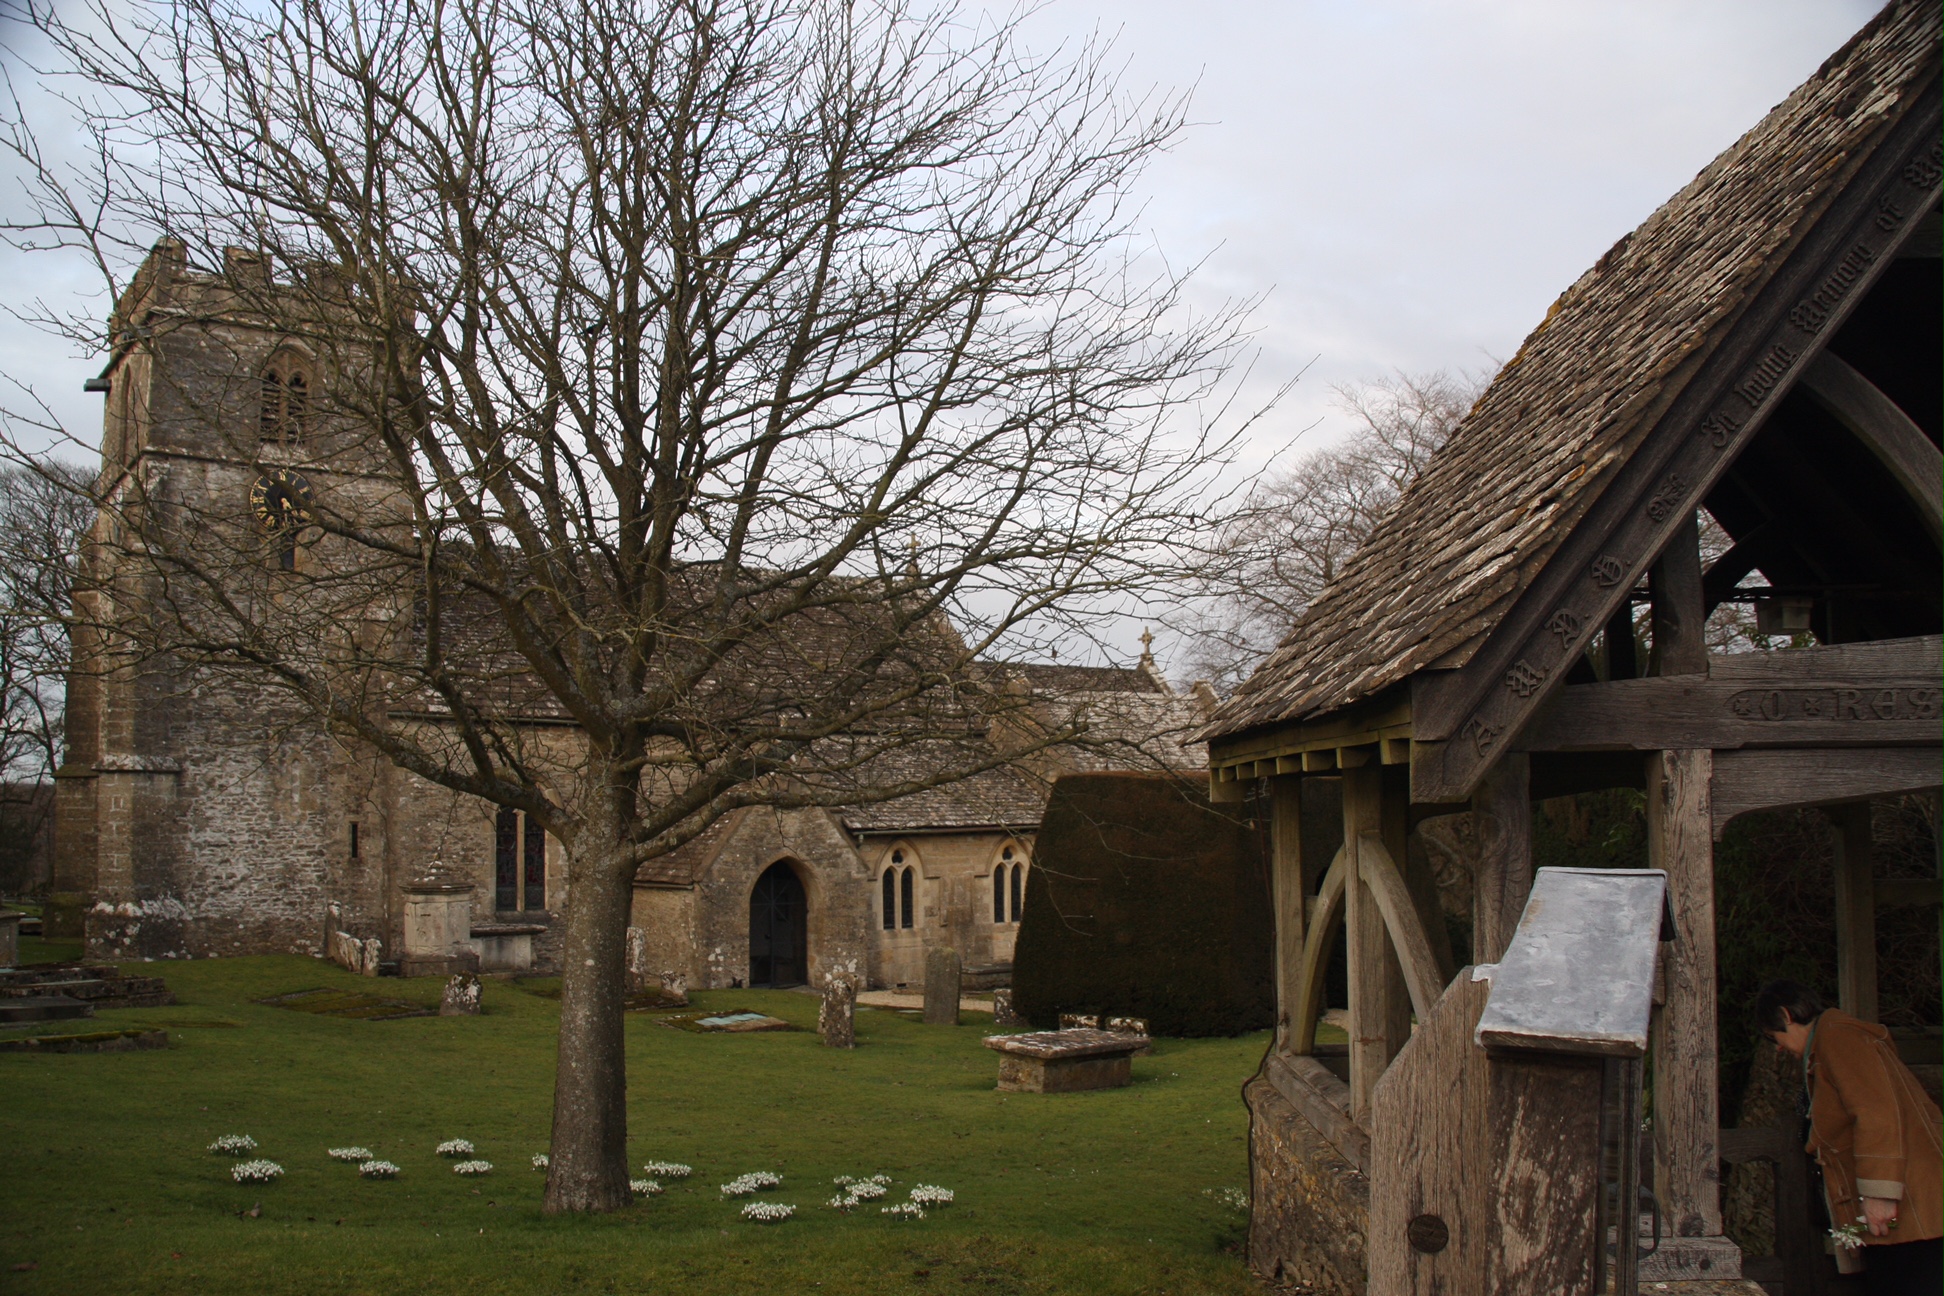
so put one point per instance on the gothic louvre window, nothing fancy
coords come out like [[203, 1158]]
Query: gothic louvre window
[[518, 840], [1008, 880], [284, 393]]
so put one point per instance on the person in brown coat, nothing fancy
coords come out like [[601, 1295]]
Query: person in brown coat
[[1875, 1133]]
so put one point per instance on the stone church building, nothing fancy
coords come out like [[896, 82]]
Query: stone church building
[[198, 815]]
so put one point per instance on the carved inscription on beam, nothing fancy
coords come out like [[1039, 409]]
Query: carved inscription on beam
[[1692, 711], [1478, 706]]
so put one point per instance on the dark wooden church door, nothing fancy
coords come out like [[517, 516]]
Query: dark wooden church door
[[778, 936]]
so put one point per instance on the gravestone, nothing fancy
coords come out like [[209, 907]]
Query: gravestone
[[1004, 1016], [10, 938], [1064, 1061], [438, 929], [942, 977], [461, 997], [637, 959], [837, 1017]]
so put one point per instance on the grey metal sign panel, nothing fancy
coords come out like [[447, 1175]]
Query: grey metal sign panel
[[1578, 976]]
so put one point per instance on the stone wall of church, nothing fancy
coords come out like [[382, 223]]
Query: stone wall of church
[[953, 902], [833, 877]]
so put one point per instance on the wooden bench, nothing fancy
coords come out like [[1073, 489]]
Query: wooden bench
[[1065, 1061]]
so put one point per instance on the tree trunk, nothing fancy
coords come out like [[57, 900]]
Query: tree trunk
[[588, 1163]]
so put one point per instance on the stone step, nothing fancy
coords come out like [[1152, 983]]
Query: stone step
[[50, 1007]]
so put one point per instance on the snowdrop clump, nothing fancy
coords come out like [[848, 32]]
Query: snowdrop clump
[[473, 1167], [643, 1187], [378, 1170], [852, 1192], [668, 1170], [767, 1212], [931, 1195], [540, 1161], [754, 1182], [454, 1148], [258, 1171], [231, 1144], [903, 1210], [349, 1154], [1233, 1198]]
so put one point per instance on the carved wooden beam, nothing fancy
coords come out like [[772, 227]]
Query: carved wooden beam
[[1884, 429], [1695, 711], [1464, 719]]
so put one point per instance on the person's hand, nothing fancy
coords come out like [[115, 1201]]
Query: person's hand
[[1880, 1213]]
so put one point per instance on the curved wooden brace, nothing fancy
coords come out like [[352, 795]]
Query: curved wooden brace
[[1885, 430], [1386, 882], [1318, 944]]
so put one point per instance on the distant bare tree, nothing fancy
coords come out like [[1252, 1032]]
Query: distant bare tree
[[720, 356], [44, 513], [1295, 529]]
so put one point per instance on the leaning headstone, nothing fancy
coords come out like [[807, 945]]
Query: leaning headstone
[[942, 975], [1003, 1015], [461, 997], [837, 1017]]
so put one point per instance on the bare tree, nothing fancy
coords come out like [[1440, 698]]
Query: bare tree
[[43, 515], [1295, 530], [704, 363]]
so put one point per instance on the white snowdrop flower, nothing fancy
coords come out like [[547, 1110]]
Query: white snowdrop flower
[[378, 1170], [472, 1167], [349, 1154], [754, 1182], [454, 1148], [767, 1212], [231, 1144], [540, 1161], [931, 1195], [643, 1187], [667, 1170], [258, 1171], [903, 1210]]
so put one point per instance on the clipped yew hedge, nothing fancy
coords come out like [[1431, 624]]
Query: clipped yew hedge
[[1146, 901]]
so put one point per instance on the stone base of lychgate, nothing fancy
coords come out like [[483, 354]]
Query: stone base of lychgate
[[1309, 1206]]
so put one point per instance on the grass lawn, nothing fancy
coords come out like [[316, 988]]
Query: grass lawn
[[107, 1187]]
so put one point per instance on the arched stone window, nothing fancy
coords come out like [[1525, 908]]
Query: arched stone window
[[284, 399], [1008, 885], [905, 888], [890, 898]]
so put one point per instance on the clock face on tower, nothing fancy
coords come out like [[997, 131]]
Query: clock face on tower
[[281, 501]]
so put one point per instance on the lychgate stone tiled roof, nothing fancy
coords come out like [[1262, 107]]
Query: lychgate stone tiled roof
[[1564, 414]]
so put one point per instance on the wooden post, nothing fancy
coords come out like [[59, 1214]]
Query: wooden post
[[1502, 819], [1856, 952], [1937, 848], [1680, 609], [1687, 1171], [1290, 884], [1380, 1005]]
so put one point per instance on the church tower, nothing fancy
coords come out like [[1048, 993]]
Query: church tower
[[200, 810]]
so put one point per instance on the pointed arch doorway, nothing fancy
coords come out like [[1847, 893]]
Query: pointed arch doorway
[[779, 944]]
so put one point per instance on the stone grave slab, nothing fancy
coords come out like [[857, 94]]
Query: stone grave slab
[[1065, 1061]]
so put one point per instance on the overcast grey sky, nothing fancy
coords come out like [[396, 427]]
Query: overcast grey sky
[[1410, 184]]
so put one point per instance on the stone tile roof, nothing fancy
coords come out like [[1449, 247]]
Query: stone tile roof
[[1566, 411]]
